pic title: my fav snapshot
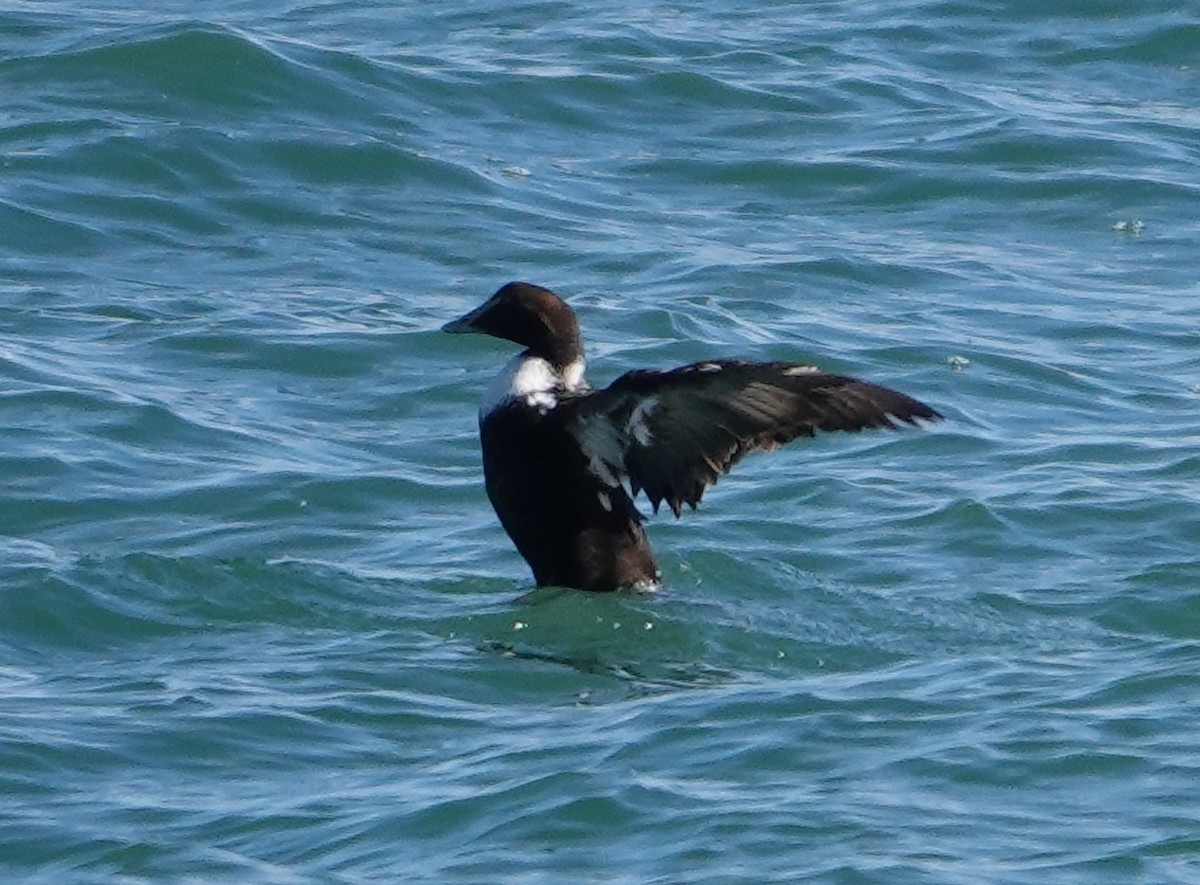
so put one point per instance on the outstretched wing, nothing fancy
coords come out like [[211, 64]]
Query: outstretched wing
[[674, 433]]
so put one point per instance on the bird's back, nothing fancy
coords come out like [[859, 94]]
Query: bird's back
[[573, 530]]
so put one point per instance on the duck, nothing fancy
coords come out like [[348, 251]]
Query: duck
[[563, 461]]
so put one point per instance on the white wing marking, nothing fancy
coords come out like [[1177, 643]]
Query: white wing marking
[[636, 427]]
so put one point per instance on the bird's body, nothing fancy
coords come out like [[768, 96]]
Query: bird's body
[[562, 461]]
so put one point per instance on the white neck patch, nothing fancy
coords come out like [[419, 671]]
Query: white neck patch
[[573, 374], [532, 380]]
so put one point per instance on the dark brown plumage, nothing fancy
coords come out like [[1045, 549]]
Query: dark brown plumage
[[556, 453], [709, 415]]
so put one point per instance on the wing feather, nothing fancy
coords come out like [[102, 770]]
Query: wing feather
[[674, 433]]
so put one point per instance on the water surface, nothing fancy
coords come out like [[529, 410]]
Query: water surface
[[257, 620]]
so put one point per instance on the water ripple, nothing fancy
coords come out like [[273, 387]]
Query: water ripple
[[256, 617]]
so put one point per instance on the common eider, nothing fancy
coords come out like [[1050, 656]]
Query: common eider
[[562, 461]]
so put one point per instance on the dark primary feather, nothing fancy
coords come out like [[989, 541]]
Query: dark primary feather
[[677, 431]]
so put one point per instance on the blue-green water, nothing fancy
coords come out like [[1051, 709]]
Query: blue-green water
[[257, 620]]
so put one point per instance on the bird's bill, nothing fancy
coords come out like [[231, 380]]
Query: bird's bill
[[467, 323]]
